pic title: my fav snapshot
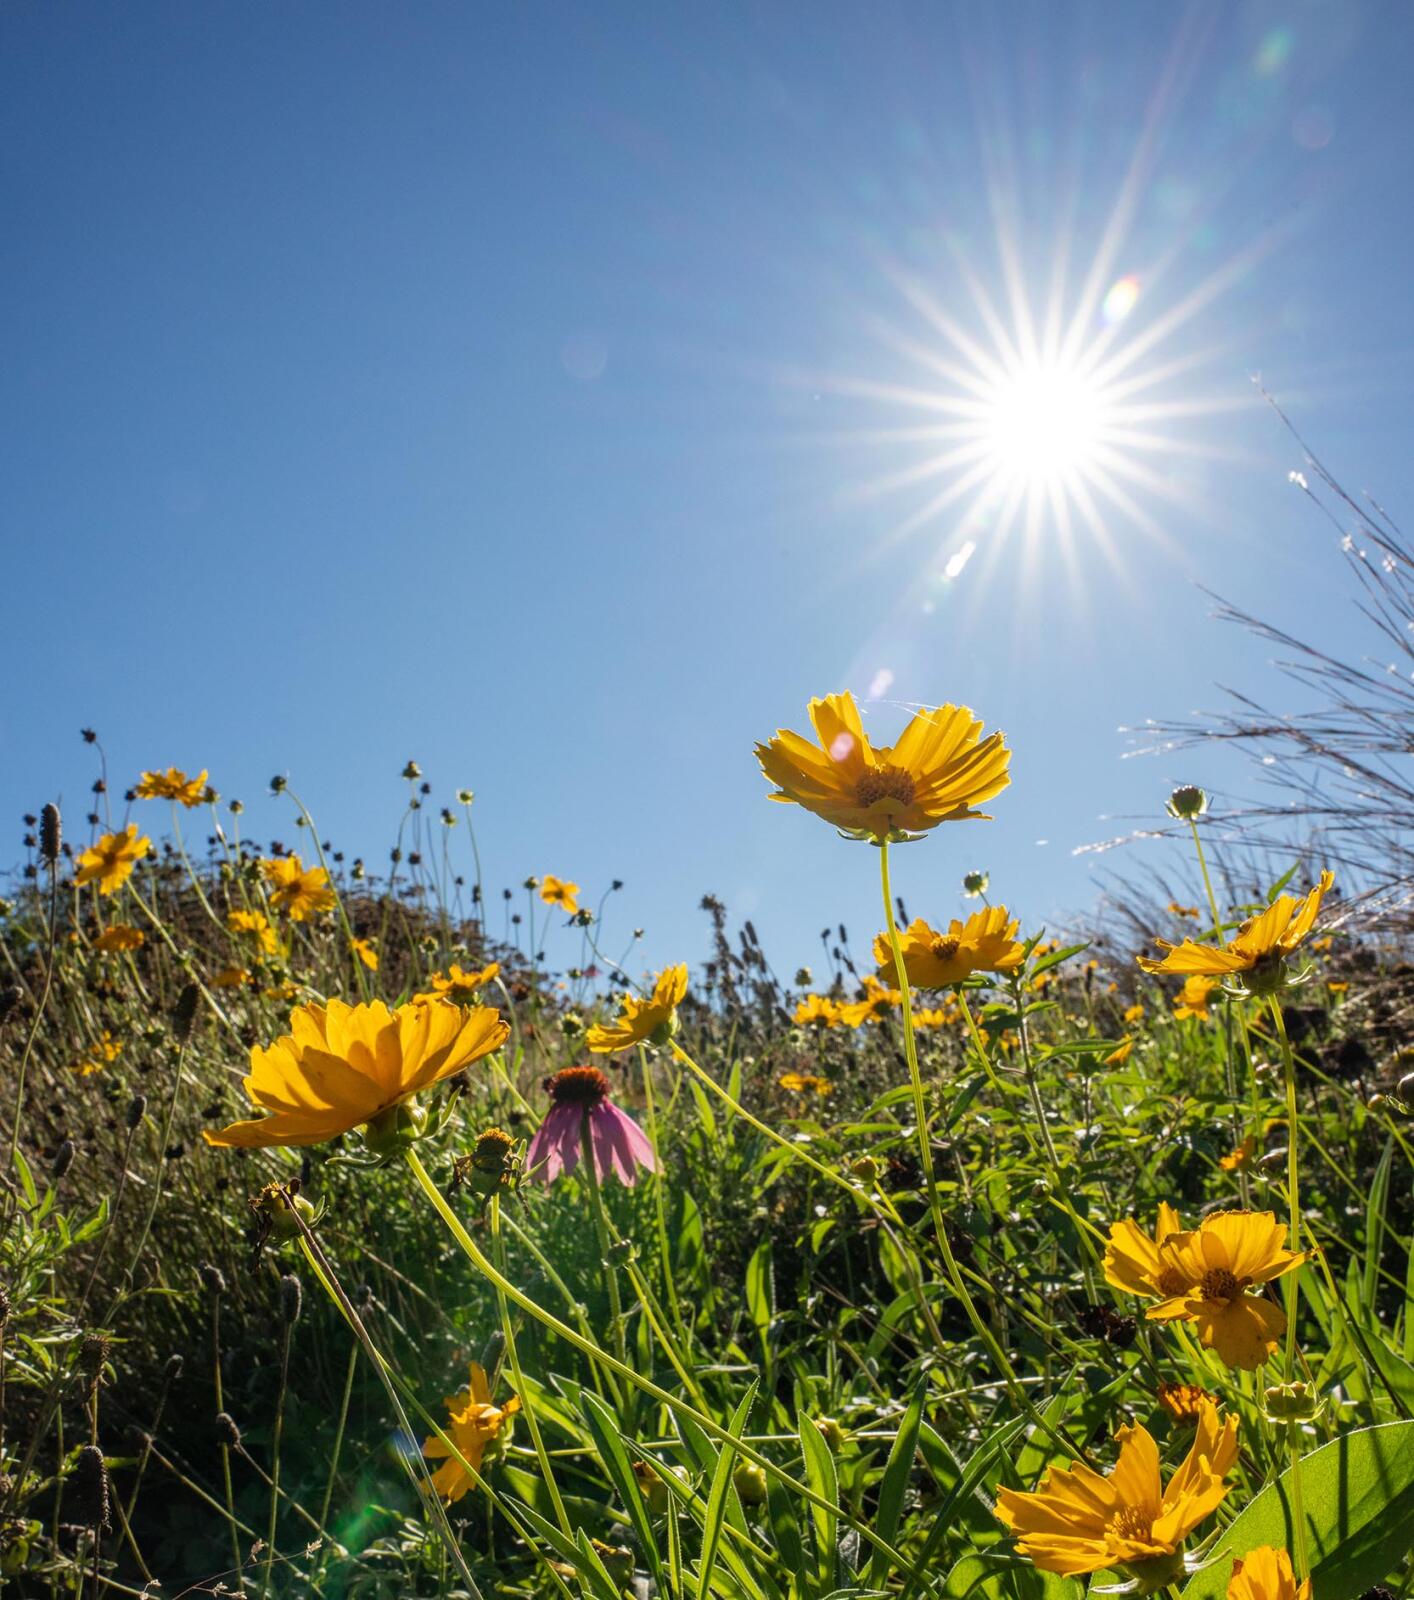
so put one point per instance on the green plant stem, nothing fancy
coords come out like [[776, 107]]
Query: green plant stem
[[1293, 1192], [1298, 1510], [601, 1233], [277, 1434]]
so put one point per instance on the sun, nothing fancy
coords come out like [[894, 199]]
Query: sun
[[1044, 424]]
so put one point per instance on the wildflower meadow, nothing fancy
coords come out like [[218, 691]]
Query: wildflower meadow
[[351, 1250]]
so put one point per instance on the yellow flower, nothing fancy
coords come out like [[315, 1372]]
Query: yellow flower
[[817, 1010], [938, 771], [986, 942], [173, 784], [1133, 1014], [230, 978], [1337, 987], [559, 892], [1079, 1522], [1266, 1574], [936, 1018], [257, 925], [1132, 1256], [109, 863], [1212, 1268], [878, 1001], [805, 1083], [1240, 1159], [476, 1429], [363, 949], [461, 988], [1265, 939], [1183, 911], [1193, 1000], [638, 1020], [103, 1050], [340, 1066], [1120, 1054], [292, 889], [1184, 1402], [120, 937]]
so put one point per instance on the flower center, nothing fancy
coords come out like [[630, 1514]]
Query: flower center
[[946, 947], [886, 782], [1131, 1523], [1172, 1282], [577, 1086], [1220, 1284]]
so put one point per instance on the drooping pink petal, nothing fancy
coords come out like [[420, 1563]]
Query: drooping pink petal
[[620, 1145], [555, 1147]]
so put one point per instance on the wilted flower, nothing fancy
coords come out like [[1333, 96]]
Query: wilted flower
[[643, 1021], [478, 1429], [1212, 1268], [939, 770], [580, 1105], [109, 863], [293, 889], [173, 784], [1184, 911], [986, 942], [343, 1066], [1080, 1522]]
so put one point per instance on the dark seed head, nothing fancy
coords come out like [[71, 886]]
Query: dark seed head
[[51, 833], [291, 1298], [184, 1014], [87, 1498], [227, 1432]]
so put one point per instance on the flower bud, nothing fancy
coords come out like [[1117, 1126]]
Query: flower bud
[[137, 1110], [749, 1480], [1292, 1402], [184, 1014], [975, 884], [279, 1207], [63, 1160], [227, 1433], [832, 1433], [213, 1279], [1187, 802], [396, 1129], [865, 1170]]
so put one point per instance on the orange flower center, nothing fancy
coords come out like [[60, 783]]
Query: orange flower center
[[946, 947], [577, 1086], [886, 782], [1220, 1284], [1172, 1282], [1130, 1523]]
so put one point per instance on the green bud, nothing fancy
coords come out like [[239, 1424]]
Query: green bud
[[396, 1129], [1187, 802], [832, 1433], [749, 1481], [1292, 1402]]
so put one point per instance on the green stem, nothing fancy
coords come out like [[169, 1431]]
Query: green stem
[[601, 1233]]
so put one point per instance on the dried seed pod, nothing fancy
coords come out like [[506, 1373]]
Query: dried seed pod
[[184, 1014], [213, 1279], [87, 1496], [227, 1432], [63, 1160], [291, 1298], [51, 833], [137, 1109]]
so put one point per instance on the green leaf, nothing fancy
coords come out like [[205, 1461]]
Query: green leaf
[[1358, 1494], [719, 1497], [820, 1475], [604, 1426], [26, 1180], [894, 1484]]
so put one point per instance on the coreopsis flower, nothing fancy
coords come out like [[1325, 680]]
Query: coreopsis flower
[[230, 978], [103, 1050], [1079, 1522], [1266, 1574], [120, 937], [580, 1108], [877, 1002], [1212, 1268], [1132, 1261], [1241, 1158], [173, 784], [936, 1017], [1178, 910], [559, 892], [1184, 1402], [805, 1083], [643, 1021], [939, 771], [363, 949], [817, 1011], [293, 889], [1193, 1000], [343, 1067], [1133, 1014], [986, 942], [110, 862], [461, 988], [1259, 949], [479, 1430], [1120, 1054], [255, 926]]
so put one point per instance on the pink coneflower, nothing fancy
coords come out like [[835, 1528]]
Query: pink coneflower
[[579, 1096]]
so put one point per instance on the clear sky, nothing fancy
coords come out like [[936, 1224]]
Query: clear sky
[[561, 395]]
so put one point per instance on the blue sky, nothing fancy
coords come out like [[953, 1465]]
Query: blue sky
[[545, 393]]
